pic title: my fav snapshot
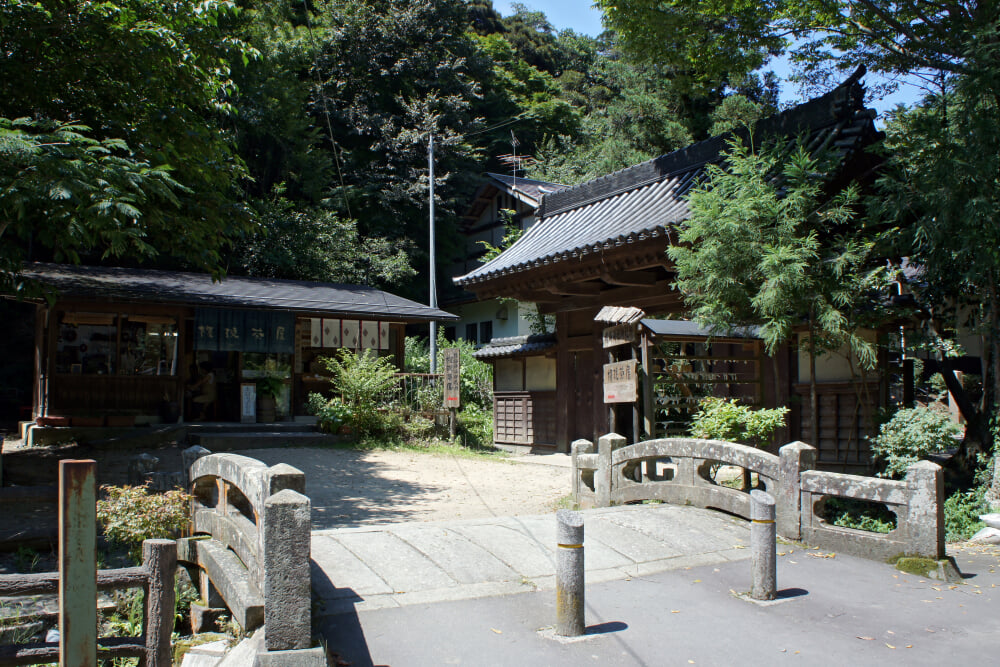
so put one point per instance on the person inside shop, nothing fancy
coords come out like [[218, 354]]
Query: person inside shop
[[203, 391]]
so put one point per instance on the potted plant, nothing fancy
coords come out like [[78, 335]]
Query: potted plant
[[268, 388]]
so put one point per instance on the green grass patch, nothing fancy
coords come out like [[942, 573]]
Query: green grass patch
[[425, 446]]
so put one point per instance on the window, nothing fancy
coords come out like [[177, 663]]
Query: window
[[449, 334], [485, 332], [149, 345], [470, 333], [87, 343], [266, 364]]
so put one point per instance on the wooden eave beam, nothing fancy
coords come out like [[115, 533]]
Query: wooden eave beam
[[658, 295], [575, 289], [629, 278]]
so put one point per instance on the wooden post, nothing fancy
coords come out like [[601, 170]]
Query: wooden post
[[159, 558], [77, 564], [636, 434], [649, 417], [564, 379]]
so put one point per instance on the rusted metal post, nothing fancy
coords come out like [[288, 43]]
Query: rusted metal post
[[159, 558], [77, 563], [569, 574]]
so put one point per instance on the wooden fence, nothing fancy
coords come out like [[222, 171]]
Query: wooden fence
[[78, 581]]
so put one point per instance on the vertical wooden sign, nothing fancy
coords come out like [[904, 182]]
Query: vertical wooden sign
[[452, 378]]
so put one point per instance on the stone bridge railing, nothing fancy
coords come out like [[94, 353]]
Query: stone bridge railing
[[677, 470], [251, 539]]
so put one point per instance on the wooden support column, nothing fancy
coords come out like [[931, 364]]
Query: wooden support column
[[565, 406], [601, 421], [41, 313]]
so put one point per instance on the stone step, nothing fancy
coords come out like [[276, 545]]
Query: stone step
[[227, 442], [263, 427]]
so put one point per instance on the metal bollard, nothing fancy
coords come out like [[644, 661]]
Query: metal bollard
[[569, 574], [763, 562]]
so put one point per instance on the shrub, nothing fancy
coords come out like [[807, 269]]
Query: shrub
[[961, 513], [366, 383], [476, 426], [911, 435], [726, 419], [332, 413], [131, 514], [858, 514]]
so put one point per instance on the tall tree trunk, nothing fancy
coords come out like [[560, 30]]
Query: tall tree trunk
[[991, 402]]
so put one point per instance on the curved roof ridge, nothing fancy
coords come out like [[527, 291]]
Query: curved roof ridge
[[840, 103]]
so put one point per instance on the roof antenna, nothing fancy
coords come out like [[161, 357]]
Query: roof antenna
[[514, 143]]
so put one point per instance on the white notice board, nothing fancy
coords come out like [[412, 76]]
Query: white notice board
[[248, 402], [621, 382]]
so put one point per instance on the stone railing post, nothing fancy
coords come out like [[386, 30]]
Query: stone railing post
[[570, 585], [159, 558], [925, 510], [577, 448], [286, 586], [188, 457], [794, 458], [602, 476], [77, 563], [763, 559]]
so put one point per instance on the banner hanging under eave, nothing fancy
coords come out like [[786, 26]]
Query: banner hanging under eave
[[218, 329]]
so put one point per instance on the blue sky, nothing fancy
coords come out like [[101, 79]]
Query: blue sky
[[582, 17], [579, 15]]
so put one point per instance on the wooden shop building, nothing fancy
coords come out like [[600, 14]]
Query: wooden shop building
[[121, 346]]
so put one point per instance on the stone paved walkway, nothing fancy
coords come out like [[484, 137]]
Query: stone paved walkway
[[366, 568]]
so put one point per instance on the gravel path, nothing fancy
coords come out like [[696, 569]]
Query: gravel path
[[355, 488]]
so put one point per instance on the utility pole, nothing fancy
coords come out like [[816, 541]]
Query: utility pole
[[433, 262]]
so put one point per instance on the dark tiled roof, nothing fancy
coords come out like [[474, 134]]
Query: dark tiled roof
[[686, 328], [644, 201], [528, 187], [235, 292], [527, 190], [514, 345]]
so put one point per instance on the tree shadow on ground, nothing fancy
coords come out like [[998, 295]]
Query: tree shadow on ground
[[347, 489]]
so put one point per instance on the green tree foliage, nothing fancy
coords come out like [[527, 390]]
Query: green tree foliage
[[910, 436], [940, 189], [637, 111], [765, 245], [725, 419], [707, 41], [112, 140], [311, 243]]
